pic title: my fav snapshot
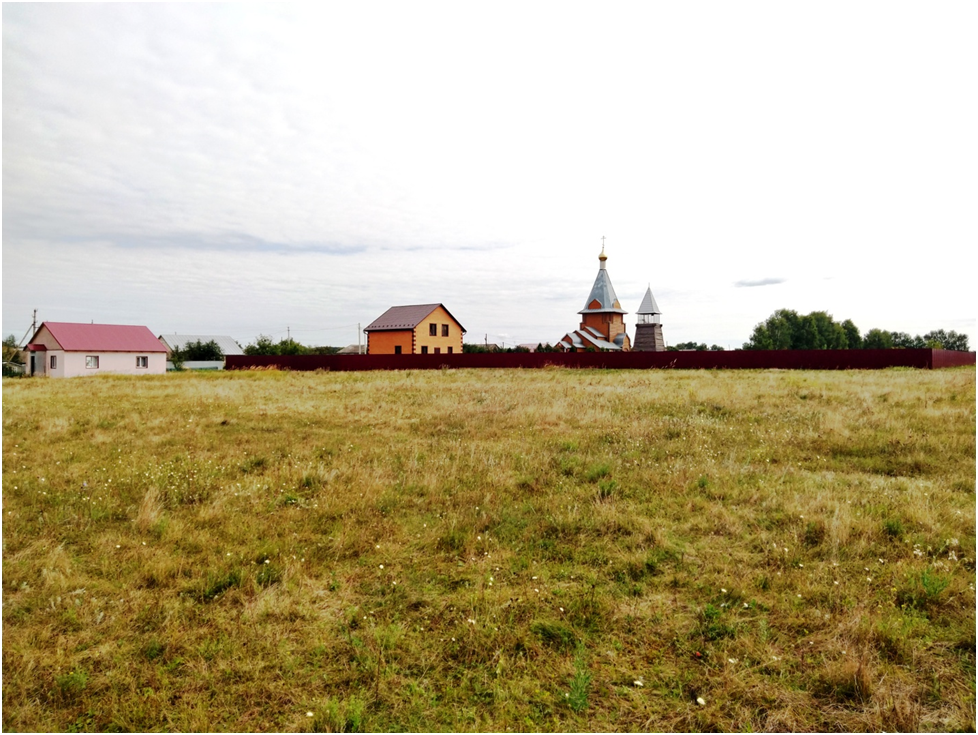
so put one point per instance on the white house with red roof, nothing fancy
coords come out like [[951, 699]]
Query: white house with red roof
[[66, 350]]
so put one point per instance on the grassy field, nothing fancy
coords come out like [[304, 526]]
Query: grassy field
[[490, 550]]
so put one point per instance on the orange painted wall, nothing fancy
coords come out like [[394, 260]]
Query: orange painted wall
[[382, 343]]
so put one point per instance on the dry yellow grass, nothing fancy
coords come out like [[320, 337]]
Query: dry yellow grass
[[490, 550]]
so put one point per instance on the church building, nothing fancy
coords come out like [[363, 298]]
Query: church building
[[602, 326]]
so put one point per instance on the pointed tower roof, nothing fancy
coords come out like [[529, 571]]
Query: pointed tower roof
[[602, 298], [648, 305]]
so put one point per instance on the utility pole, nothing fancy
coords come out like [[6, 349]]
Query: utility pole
[[359, 351], [32, 329]]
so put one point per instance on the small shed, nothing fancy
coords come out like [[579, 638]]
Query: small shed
[[66, 349]]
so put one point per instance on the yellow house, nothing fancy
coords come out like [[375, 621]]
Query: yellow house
[[420, 329]]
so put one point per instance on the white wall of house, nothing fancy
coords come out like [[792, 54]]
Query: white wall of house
[[57, 370], [75, 363]]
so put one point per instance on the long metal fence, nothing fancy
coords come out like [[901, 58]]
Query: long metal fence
[[726, 360]]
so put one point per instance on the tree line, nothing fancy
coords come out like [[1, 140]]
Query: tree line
[[265, 345], [785, 329]]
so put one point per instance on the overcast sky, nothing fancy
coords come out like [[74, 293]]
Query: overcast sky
[[248, 169]]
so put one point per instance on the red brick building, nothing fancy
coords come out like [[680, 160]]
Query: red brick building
[[603, 324]]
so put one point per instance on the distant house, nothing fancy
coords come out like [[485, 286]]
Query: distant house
[[420, 329], [180, 341], [353, 350], [65, 350]]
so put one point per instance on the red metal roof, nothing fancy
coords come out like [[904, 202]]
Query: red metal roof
[[103, 337], [405, 317]]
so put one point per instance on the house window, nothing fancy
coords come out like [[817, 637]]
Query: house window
[[432, 330], [424, 349], [438, 350], [444, 330], [450, 350], [142, 361], [91, 362], [397, 349], [54, 362]]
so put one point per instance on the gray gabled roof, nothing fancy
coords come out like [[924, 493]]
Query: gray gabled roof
[[604, 293], [584, 338], [179, 341], [648, 305], [405, 317]]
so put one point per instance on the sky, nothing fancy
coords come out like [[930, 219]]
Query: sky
[[296, 169]]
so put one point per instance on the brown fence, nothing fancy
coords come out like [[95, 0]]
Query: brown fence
[[727, 360]]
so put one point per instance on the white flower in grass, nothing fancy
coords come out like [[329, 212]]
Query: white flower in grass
[[638, 683], [700, 701], [309, 714]]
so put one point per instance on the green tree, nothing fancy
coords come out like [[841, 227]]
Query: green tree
[[263, 345], [853, 339], [808, 336], [198, 350], [947, 340], [781, 331], [877, 339], [902, 339], [290, 347], [11, 350], [760, 339], [323, 350], [698, 346], [786, 329]]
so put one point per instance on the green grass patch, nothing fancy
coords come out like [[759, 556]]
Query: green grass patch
[[554, 550]]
